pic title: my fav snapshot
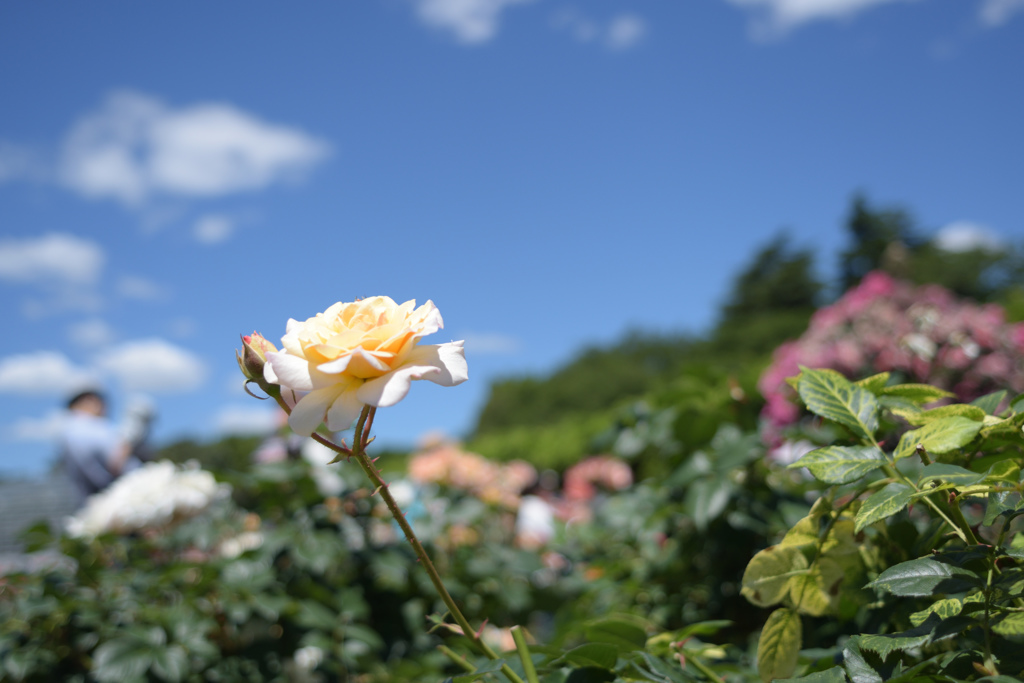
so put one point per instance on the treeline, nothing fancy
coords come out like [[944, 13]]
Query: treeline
[[553, 420]]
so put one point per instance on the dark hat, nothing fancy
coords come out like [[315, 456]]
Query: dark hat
[[86, 393]]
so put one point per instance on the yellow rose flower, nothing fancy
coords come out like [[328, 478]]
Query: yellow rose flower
[[360, 353]]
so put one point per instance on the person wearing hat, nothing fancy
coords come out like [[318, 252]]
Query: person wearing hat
[[93, 449]]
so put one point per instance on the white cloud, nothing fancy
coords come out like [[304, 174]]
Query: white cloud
[[580, 27], [625, 31], [46, 428], [65, 300], [136, 147], [182, 327], [91, 333], [967, 236], [775, 17], [472, 21], [139, 288], [491, 343], [213, 228], [53, 258], [43, 373], [247, 420], [620, 33], [154, 365], [998, 12]]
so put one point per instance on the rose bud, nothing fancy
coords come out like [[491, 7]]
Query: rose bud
[[254, 355]]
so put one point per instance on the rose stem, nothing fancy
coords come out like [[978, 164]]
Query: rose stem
[[377, 480]]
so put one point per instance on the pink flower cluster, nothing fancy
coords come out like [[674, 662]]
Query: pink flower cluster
[[449, 465], [605, 471], [924, 334]]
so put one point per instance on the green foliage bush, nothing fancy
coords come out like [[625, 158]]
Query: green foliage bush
[[912, 543]]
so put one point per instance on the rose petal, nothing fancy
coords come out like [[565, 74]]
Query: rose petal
[[443, 364], [287, 370], [365, 362], [311, 410], [450, 358], [389, 389], [344, 411]]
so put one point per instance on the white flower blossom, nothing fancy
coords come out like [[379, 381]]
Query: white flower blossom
[[154, 495]]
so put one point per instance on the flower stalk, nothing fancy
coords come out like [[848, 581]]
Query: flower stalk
[[360, 440]]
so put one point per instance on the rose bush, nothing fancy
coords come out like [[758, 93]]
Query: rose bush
[[154, 495], [355, 354], [920, 334]]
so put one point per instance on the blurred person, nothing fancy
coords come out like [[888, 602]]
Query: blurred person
[[94, 450]]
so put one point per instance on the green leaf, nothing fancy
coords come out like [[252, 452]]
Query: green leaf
[[811, 593], [171, 663], [938, 437], [1003, 471], [990, 402], [924, 576], [856, 664], [884, 645], [1000, 503], [1010, 626], [779, 645], [945, 608], [830, 395], [918, 393], [841, 464], [874, 383], [1006, 428], [883, 503], [625, 633], [897, 405], [37, 537], [593, 654], [833, 675], [769, 574], [704, 628], [122, 659], [958, 409], [950, 474], [707, 499]]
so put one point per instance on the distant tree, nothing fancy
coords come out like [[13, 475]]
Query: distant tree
[[879, 239], [597, 379], [771, 299], [887, 239]]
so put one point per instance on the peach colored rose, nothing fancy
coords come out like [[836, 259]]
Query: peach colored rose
[[360, 353]]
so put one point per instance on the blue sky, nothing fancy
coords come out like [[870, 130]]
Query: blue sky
[[549, 173]]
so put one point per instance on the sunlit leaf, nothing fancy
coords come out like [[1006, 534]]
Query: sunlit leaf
[[830, 395], [918, 393], [958, 409], [768, 576], [779, 645], [841, 464], [940, 436], [874, 383], [883, 503]]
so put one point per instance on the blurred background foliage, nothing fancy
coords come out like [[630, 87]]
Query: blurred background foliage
[[710, 379], [329, 591]]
